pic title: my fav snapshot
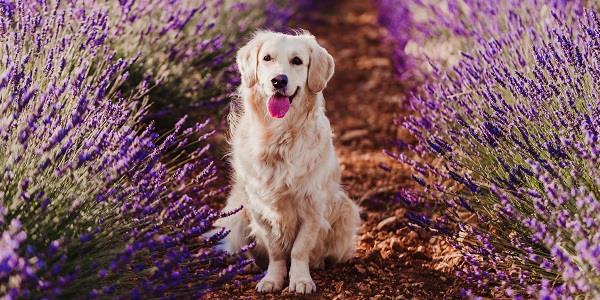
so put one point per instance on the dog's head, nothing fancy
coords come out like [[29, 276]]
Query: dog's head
[[284, 68]]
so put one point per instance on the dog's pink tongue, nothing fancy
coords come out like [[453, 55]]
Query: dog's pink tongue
[[278, 106]]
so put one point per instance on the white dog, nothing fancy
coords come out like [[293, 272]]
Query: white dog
[[286, 172]]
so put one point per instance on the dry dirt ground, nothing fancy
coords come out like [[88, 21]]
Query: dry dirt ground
[[392, 261]]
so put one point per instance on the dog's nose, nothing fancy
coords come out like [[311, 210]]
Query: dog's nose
[[279, 81]]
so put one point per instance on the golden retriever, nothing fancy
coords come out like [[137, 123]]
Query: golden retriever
[[286, 172]]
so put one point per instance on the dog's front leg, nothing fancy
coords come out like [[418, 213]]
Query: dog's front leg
[[300, 279], [277, 269]]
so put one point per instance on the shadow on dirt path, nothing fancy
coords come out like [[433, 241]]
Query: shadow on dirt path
[[392, 261]]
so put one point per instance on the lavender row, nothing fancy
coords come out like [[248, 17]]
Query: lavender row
[[508, 143], [92, 201]]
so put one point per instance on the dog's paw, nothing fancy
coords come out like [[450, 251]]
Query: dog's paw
[[302, 286], [267, 285]]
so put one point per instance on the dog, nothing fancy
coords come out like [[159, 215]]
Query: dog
[[286, 175]]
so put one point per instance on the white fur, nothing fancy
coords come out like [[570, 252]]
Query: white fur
[[286, 172]]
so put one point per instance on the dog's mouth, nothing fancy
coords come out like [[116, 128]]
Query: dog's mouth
[[279, 104]]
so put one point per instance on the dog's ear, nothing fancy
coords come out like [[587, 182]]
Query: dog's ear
[[247, 59], [320, 68]]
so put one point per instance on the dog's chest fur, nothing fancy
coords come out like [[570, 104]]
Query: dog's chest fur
[[280, 167]]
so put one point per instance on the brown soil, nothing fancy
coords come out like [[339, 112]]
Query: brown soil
[[363, 98]]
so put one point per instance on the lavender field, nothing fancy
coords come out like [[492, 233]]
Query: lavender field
[[467, 131]]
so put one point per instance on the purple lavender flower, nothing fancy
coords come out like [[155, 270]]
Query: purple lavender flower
[[91, 201], [520, 114]]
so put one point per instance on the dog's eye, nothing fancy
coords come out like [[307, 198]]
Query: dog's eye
[[267, 57], [296, 61]]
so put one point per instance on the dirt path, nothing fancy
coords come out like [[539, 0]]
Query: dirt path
[[392, 261]]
